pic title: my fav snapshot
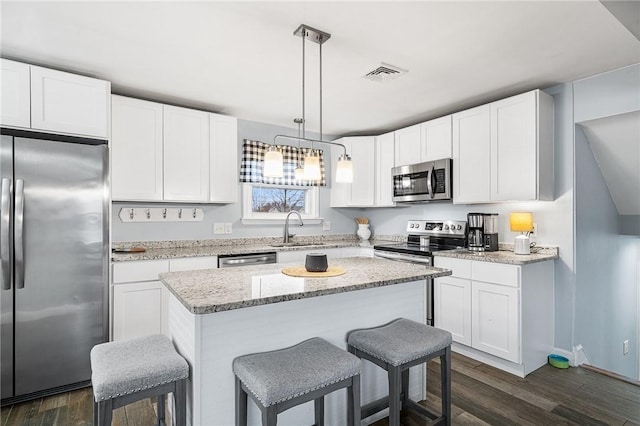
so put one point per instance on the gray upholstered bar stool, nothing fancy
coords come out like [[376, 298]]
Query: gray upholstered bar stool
[[282, 379], [131, 370], [396, 347]]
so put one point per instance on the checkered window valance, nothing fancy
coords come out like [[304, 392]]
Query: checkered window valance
[[253, 164]]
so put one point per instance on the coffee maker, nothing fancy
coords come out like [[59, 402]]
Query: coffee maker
[[475, 238], [490, 232]]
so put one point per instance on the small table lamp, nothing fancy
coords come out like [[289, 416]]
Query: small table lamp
[[521, 222]]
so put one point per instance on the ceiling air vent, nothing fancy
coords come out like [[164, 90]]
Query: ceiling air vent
[[385, 72]]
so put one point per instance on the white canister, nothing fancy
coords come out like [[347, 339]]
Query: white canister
[[522, 245], [363, 232]]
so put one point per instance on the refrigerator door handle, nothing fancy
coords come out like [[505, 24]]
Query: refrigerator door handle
[[5, 222], [19, 234]]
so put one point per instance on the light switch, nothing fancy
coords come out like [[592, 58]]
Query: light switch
[[326, 225], [218, 228], [227, 228]]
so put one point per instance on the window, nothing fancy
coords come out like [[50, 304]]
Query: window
[[265, 200], [268, 203]]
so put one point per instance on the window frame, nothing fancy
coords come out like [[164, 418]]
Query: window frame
[[249, 217]]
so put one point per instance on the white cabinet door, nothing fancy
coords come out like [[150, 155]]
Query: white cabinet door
[[495, 320], [471, 155], [223, 159], [385, 161], [436, 139], [186, 154], [408, 145], [139, 309], [15, 97], [136, 150], [361, 192], [514, 148], [452, 307], [69, 103], [363, 157]]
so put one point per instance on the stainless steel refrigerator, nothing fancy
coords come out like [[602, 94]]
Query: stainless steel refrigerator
[[54, 239]]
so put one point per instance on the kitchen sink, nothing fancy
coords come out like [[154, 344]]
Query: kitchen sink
[[300, 244]]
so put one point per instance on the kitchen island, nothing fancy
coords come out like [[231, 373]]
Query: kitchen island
[[216, 315]]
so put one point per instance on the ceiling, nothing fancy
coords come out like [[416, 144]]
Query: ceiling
[[615, 143], [241, 58]]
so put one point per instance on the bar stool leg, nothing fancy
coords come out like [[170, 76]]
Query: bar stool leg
[[405, 388], [95, 413], [105, 409], [269, 416], [395, 387], [241, 404], [445, 374], [160, 406], [353, 402], [180, 397], [318, 404]]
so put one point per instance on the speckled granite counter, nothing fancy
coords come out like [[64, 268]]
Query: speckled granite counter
[[215, 290], [198, 248], [504, 255]]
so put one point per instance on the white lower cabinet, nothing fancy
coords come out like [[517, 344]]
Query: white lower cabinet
[[498, 314], [140, 301]]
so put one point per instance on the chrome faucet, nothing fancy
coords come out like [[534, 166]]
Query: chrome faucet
[[286, 225]]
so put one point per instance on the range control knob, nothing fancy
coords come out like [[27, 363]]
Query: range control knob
[[446, 227], [459, 227]]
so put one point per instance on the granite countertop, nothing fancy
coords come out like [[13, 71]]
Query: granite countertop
[[504, 255], [197, 248], [214, 290]]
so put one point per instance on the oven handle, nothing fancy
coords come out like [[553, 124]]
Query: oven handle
[[432, 173], [403, 258]]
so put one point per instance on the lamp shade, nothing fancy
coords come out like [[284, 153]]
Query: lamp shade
[[344, 169], [312, 166], [521, 222], [273, 163], [299, 172]]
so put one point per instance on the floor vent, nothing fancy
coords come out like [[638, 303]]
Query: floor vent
[[385, 72]]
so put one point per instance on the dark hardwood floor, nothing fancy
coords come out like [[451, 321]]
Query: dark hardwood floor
[[481, 395]]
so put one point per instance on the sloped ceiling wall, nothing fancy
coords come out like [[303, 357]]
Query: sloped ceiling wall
[[615, 142]]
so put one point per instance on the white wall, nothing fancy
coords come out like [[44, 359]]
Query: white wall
[[341, 222]]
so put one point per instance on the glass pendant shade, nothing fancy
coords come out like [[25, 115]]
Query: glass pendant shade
[[299, 172], [344, 169], [312, 166], [273, 163]]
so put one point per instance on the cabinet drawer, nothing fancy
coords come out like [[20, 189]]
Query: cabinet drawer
[[193, 263], [461, 268], [496, 273], [146, 270]]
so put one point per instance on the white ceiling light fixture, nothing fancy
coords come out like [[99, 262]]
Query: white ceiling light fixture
[[312, 159]]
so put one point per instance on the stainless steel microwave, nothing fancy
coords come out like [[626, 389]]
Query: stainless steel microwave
[[429, 181]]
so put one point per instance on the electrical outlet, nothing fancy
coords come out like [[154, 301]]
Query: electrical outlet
[[326, 225], [625, 347], [534, 232], [227, 228], [218, 228]]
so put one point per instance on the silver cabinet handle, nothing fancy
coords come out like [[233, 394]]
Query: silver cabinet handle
[[19, 234], [5, 221], [429, 186]]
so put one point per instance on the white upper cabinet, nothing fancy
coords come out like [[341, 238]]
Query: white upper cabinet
[[15, 97], [503, 151], [408, 145], [422, 142], [136, 150], [471, 155], [53, 101], [186, 154], [223, 159], [69, 103], [385, 155], [522, 148], [436, 139], [173, 154], [360, 193]]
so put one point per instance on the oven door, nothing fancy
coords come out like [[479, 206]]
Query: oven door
[[427, 181]]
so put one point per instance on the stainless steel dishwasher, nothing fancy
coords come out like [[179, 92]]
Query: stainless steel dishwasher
[[233, 260]]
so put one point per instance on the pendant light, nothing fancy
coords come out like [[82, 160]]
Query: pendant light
[[273, 163], [344, 169]]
